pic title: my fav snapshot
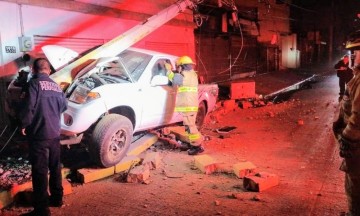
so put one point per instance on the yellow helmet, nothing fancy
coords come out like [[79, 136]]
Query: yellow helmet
[[184, 60]]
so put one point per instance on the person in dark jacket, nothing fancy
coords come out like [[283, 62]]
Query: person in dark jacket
[[44, 101], [344, 72]]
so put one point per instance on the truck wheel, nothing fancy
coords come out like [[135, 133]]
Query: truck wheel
[[201, 114], [111, 139]]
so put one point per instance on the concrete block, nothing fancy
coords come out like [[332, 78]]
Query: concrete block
[[22, 193], [242, 89], [16, 188], [205, 163], [243, 169], [89, 175], [142, 144], [260, 181], [67, 187], [126, 163], [152, 160], [9, 196], [140, 174]]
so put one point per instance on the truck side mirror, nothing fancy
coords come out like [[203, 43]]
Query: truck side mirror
[[159, 80]]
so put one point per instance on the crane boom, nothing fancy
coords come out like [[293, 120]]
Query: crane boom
[[125, 40]]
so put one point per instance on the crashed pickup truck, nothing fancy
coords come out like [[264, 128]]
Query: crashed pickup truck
[[112, 98]]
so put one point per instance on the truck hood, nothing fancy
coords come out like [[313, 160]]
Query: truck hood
[[58, 55]]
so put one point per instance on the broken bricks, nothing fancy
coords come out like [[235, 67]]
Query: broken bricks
[[139, 174], [260, 181], [152, 160], [243, 169], [205, 163]]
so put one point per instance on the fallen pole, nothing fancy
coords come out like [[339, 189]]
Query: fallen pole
[[289, 88]]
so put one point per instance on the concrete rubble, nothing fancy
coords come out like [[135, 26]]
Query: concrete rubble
[[260, 181]]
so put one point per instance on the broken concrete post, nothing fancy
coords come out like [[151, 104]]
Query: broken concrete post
[[260, 181], [243, 169]]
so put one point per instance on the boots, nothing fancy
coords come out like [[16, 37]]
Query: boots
[[183, 146], [194, 150]]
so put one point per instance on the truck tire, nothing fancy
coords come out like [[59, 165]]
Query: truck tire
[[201, 114], [111, 140]]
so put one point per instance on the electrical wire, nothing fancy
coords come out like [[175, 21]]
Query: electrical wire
[[296, 6], [8, 141], [240, 50], [232, 5]]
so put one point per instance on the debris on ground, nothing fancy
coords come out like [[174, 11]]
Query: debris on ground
[[225, 129], [14, 171], [139, 174]]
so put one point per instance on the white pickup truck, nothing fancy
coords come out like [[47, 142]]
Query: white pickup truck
[[112, 98]]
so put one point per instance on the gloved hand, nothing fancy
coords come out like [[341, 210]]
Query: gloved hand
[[168, 66], [345, 148]]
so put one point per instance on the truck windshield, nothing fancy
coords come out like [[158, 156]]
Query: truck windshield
[[135, 62]]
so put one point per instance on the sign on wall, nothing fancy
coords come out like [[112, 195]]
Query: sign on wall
[[10, 49]]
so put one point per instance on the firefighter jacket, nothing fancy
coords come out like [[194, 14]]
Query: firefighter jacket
[[348, 123], [43, 105], [187, 91]]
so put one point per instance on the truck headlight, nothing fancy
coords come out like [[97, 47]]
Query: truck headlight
[[82, 94]]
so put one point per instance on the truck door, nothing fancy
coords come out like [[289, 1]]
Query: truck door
[[159, 100]]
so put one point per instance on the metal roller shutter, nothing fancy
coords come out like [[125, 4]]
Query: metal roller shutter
[[77, 44]]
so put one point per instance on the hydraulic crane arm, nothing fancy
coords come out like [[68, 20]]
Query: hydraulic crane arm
[[125, 40]]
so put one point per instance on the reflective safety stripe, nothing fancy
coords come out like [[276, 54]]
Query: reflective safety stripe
[[171, 75], [187, 89], [186, 109], [194, 137]]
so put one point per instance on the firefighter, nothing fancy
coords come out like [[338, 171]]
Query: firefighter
[[44, 102], [347, 133], [344, 72], [186, 81]]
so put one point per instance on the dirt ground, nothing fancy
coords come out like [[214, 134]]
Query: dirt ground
[[292, 139]]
